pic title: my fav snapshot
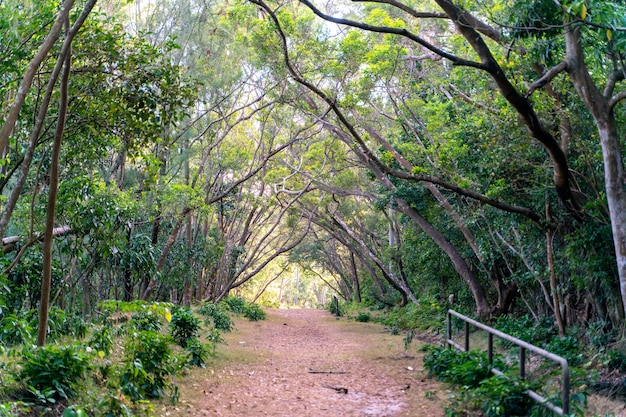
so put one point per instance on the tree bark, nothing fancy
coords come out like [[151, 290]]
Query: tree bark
[[31, 71], [46, 279], [598, 105]]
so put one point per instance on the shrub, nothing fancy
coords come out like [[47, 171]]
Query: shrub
[[198, 352], [568, 347], [102, 340], [235, 304], [428, 315], [184, 327], [502, 396], [363, 317], [526, 329], [253, 312], [462, 368], [616, 360], [54, 371], [146, 320], [12, 409], [217, 312], [149, 363], [15, 330], [117, 405]]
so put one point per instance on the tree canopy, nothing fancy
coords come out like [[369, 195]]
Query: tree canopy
[[383, 151]]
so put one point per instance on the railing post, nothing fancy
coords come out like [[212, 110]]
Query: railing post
[[565, 388], [522, 362], [467, 334], [490, 349], [449, 326]]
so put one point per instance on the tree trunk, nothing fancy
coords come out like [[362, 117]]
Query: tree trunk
[[355, 275], [30, 73], [598, 105], [46, 279]]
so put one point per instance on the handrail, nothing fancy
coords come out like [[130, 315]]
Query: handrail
[[524, 346]]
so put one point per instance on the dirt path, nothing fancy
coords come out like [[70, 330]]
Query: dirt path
[[308, 363]]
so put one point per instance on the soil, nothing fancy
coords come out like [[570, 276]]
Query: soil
[[308, 363]]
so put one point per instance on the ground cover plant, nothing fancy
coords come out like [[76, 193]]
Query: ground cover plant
[[131, 355]]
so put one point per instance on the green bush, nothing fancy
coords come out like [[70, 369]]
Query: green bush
[[235, 304], [503, 396], [12, 409], [146, 320], [526, 329], [461, 368], [219, 315], [149, 363], [184, 326], [253, 312], [616, 360], [427, 315], [363, 317], [15, 330], [102, 340], [54, 371], [197, 351], [567, 347]]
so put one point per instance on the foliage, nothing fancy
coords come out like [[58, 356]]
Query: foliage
[[235, 304], [363, 317], [496, 396], [53, 372], [503, 395], [102, 340], [149, 363], [253, 312], [616, 360], [74, 411], [427, 315], [146, 320], [197, 351], [15, 330], [219, 315], [117, 405], [567, 347], [527, 329], [184, 326]]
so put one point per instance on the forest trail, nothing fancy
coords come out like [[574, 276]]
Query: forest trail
[[307, 363]]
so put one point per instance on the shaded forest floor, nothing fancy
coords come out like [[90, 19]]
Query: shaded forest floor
[[309, 363]]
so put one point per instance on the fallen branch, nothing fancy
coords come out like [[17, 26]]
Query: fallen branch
[[328, 372], [340, 390]]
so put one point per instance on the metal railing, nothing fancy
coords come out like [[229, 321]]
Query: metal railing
[[524, 346]]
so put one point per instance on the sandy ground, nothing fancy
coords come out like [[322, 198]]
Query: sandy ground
[[309, 363]]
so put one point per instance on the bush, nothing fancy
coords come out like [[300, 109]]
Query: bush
[[184, 326], [149, 363], [526, 329], [235, 304], [217, 312], [567, 347], [146, 320], [462, 368], [54, 371], [102, 340], [15, 330], [253, 312], [428, 315], [616, 360], [363, 317], [198, 352], [502, 396]]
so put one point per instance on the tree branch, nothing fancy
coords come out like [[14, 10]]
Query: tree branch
[[383, 29], [546, 78]]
